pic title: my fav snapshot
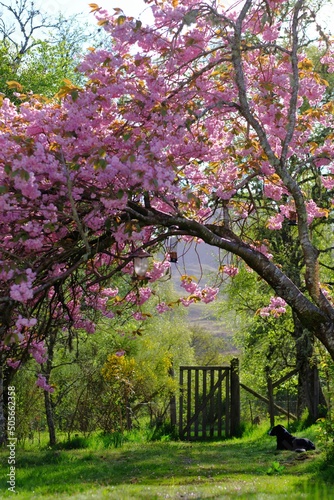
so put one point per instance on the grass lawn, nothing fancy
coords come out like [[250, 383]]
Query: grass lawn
[[248, 468]]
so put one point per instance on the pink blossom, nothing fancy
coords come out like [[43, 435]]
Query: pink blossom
[[38, 351], [138, 316], [230, 270], [264, 249], [190, 286], [321, 161], [328, 182], [23, 291], [274, 191], [42, 383], [314, 211], [140, 296], [162, 308], [85, 324], [276, 308], [159, 270], [110, 292], [13, 364], [109, 314], [270, 33], [275, 222], [209, 294], [186, 302], [329, 60], [144, 294], [23, 323]]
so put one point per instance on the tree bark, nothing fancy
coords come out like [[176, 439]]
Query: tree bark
[[49, 418], [47, 368], [310, 394]]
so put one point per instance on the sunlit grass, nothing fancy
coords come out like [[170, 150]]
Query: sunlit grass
[[241, 468]]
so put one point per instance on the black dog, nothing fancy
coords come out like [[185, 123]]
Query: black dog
[[285, 441]]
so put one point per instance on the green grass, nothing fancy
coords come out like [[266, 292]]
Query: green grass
[[248, 468]]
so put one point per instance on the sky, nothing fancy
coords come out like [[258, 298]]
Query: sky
[[130, 7], [137, 8]]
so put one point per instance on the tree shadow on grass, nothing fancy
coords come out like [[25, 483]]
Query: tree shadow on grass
[[54, 472]]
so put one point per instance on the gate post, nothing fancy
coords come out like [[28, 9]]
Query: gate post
[[235, 397], [172, 401]]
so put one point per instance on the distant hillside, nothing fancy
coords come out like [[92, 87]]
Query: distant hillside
[[202, 262]]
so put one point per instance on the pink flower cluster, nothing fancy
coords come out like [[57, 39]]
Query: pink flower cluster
[[110, 292], [274, 191], [162, 308], [140, 296], [206, 294], [42, 383], [15, 364], [275, 222], [159, 270], [38, 351], [314, 211], [23, 291], [230, 270], [276, 308]]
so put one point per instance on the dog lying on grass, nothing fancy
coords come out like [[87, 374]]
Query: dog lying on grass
[[285, 441]]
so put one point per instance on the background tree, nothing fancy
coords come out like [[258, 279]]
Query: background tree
[[38, 50], [270, 344], [208, 348]]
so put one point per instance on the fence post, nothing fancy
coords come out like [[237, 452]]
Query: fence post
[[270, 398], [235, 397]]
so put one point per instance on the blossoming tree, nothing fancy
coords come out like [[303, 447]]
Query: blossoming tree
[[197, 126]]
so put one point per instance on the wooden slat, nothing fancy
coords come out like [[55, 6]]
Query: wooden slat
[[197, 402], [219, 407], [181, 405], [203, 406], [189, 402], [286, 377], [212, 403], [266, 400]]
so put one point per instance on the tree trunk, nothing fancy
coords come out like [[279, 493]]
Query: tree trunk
[[49, 418], [310, 395], [47, 368]]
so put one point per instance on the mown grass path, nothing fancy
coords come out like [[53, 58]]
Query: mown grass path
[[241, 468]]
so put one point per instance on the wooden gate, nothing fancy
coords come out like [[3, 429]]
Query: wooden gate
[[209, 401]]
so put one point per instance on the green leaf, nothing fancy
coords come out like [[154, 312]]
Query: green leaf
[[190, 17], [74, 95], [108, 224], [24, 175]]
